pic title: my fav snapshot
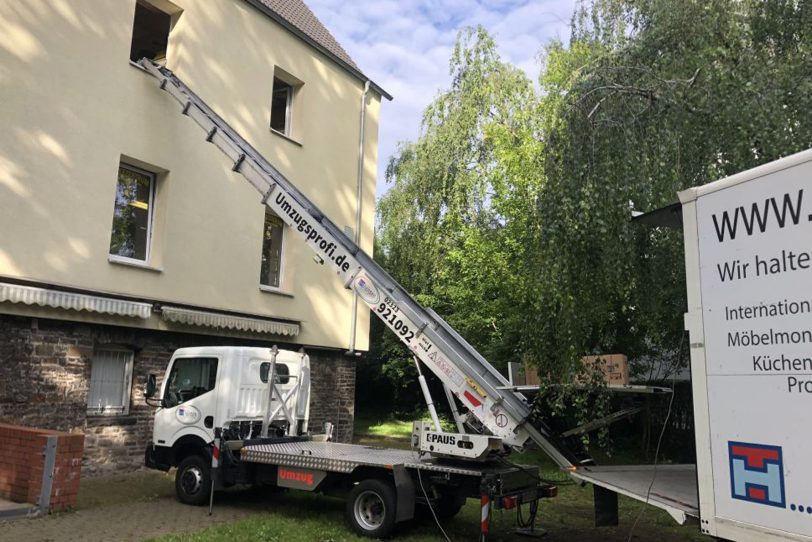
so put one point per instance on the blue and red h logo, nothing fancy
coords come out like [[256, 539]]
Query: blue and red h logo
[[757, 473]]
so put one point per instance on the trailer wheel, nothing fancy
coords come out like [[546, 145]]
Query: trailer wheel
[[449, 505], [370, 508], [193, 480], [446, 507]]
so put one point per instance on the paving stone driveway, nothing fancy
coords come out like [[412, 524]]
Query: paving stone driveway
[[130, 508]]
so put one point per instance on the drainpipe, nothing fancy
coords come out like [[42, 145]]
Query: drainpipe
[[358, 195]]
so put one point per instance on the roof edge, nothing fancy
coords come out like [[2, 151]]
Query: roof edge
[[313, 43]]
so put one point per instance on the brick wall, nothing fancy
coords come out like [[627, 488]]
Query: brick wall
[[22, 450], [45, 373]]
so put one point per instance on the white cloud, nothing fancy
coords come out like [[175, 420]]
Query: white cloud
[[404, 46]]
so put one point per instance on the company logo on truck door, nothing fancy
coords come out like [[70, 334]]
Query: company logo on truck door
[[757, 473]]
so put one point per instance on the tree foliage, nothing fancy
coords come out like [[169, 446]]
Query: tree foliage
[[510, 213]]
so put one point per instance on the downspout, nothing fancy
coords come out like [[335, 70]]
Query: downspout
[[358, 195]]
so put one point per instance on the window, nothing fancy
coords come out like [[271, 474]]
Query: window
[[190, 378], [132, 213], [282, 373], [271, 269], [110, 378], [281, 102], [150, 33]]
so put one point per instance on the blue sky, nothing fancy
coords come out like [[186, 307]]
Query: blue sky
[[404, 46]]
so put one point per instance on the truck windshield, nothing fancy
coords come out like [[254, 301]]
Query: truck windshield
[[190, 378]]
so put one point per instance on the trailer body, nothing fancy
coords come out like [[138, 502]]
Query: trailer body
[[748, 259]]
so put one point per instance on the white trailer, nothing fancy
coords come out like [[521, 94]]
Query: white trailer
[[748, 261]]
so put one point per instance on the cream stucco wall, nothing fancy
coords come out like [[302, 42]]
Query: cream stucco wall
[[72, 106]]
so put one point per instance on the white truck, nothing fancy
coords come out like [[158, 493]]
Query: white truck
[[259, 396], [748, 262]]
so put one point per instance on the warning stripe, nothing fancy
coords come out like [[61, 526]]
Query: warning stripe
[[484, 525], [215, 454], [471, 399]]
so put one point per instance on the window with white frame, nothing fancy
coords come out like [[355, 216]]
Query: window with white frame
[[110, 379], [270, 273], [132, 214], [281, 106]]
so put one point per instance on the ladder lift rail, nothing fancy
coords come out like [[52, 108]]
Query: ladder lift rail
[[471, 379]]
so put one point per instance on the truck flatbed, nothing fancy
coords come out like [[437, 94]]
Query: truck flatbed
[[345, 458], [674, 489]]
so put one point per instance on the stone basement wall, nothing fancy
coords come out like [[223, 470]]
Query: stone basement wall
[[22, 450], [45, 374]]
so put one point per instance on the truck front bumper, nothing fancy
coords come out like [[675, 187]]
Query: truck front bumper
[[158, 457]]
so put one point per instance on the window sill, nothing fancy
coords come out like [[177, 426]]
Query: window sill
[[142, 68], [137, 66], [118, 260], [272, 290], [285, 137]]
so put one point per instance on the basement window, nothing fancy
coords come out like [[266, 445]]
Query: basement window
[[150, 33], [110, 382]]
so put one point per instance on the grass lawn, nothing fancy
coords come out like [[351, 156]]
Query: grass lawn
[[300, 516]]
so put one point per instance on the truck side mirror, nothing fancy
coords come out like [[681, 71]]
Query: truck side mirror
[[149, 388]]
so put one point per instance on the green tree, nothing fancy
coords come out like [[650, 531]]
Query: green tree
[[510, 214], [652, 97]]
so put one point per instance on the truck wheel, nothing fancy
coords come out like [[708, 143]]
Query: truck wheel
[[446, 507], [193, 480], [370, 509], [449, 505]]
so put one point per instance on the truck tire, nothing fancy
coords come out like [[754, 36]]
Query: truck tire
[[446, 507], [193, 480], [449, 505], [370, 508]]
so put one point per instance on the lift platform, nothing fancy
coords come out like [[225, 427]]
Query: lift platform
[[671, 488]]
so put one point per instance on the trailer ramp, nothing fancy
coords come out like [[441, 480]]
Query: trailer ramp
[[674, 487]]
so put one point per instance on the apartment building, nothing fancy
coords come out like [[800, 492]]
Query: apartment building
[[124, 235]]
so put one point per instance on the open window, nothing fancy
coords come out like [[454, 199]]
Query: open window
[[281, 103], [152, 23], [285, 103]]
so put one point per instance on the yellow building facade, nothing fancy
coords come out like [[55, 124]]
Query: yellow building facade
[[123, 230]]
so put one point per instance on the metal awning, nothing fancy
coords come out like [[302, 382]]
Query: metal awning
[[227, 321], [44, 297]]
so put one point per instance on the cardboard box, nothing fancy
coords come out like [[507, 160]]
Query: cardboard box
[[615, 367]]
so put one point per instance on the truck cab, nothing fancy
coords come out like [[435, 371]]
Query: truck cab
[[244, 390]]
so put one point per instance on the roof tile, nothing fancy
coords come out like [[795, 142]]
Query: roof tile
[[299, 15]]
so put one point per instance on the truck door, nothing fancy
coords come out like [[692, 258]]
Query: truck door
[[189, 400]]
